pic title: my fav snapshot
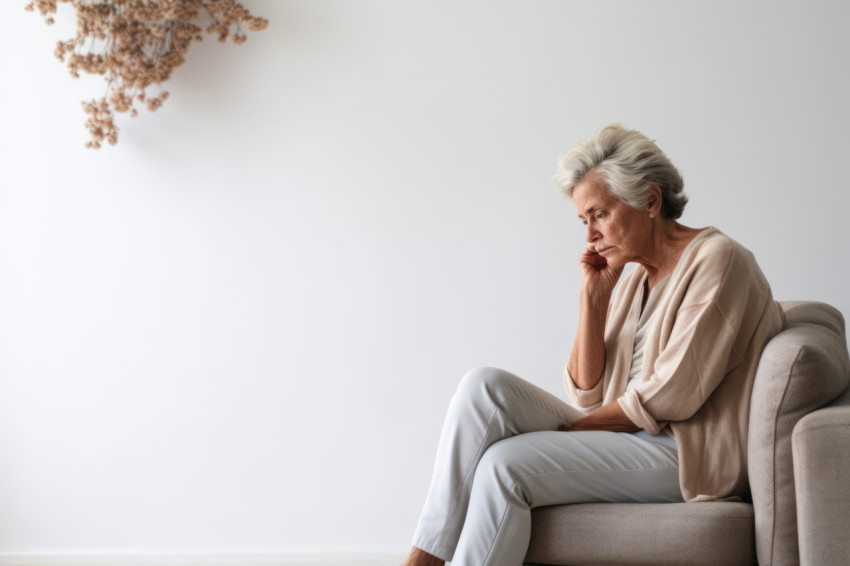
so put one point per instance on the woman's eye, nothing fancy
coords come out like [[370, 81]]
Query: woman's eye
[[599, 216]]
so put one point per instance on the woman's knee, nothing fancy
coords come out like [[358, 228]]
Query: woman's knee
[[485, 380]]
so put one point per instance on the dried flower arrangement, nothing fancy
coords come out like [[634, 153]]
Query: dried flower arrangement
[[135, 44]]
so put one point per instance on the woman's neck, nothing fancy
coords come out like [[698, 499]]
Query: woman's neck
[[670, 239]]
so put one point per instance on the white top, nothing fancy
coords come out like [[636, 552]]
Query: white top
[[642, 330], [644, 323]]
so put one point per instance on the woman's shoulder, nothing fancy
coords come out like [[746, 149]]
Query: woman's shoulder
[[717, 259], [714, 247]]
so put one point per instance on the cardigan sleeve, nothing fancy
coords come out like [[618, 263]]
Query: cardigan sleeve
[[586, 400], [701, 337]]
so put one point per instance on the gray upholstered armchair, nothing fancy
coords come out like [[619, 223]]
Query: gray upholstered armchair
[[799, 468]]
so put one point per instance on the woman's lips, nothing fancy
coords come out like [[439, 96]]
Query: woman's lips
[[603, 250]]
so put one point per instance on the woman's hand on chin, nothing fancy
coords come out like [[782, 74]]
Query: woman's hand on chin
[[597, 275]]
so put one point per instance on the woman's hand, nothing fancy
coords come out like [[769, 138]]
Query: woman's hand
[[609, 417], [598, 277]]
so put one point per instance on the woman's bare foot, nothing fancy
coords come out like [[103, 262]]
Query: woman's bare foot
[[419, 557]]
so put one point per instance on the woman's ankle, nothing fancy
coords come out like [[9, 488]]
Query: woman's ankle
[[419, 557]]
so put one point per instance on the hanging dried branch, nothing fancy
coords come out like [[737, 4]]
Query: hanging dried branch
[[135, 44]]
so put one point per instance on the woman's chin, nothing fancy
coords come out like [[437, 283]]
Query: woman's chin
[[615, 261]]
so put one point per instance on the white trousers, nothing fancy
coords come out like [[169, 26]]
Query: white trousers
[[500, 455]]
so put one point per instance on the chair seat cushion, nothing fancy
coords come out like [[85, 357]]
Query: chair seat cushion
[[643, 533]]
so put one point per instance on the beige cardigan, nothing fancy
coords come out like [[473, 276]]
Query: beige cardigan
[[712, 321]]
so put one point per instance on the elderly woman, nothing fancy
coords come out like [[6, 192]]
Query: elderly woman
[[659, 377]]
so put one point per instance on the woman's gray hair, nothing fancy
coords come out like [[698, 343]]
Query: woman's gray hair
[[628, 162]]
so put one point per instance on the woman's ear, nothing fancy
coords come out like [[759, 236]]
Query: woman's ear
[[654, 204]]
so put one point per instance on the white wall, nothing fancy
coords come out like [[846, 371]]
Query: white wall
[[238, 330]]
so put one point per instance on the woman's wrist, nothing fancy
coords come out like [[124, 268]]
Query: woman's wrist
[[596, 297]]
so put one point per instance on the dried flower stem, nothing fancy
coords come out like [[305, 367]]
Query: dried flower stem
[[135, 44]]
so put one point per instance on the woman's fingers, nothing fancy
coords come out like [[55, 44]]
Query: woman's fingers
[[590, 257], [597, 274]]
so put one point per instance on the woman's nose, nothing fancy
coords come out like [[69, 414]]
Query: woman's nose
[[591, 234]]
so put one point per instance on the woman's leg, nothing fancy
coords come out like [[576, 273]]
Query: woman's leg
[[490, 405], [548, 468]]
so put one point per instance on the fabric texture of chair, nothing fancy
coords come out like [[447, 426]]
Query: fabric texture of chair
[[821, 445]]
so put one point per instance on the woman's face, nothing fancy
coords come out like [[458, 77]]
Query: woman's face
[[618, 232]]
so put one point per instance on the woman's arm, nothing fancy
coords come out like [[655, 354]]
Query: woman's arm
[[587, 359], [610, 417]]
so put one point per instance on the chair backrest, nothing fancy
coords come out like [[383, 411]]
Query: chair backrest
[[803, 368]]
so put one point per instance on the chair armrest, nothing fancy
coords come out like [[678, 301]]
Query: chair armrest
[[821, 452]]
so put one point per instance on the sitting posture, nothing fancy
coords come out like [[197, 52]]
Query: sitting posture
[[659, 377]]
